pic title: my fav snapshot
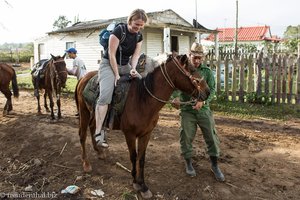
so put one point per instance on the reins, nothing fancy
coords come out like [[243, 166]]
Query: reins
[[165, 74]]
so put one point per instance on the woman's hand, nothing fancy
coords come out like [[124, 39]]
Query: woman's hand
[[133, 72]]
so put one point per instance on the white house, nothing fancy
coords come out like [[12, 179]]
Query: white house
[[165, 31]]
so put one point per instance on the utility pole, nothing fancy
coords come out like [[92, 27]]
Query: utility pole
[[196, 11], [236, 29], [298, 40]]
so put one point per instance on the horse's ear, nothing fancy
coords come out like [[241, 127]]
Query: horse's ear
[[184, 58], [174, 54], [53, 57], [64, 56]]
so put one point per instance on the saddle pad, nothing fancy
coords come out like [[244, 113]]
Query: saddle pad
[[91, 91]]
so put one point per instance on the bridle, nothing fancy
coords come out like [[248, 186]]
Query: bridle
[[195, 81], [56, 74]]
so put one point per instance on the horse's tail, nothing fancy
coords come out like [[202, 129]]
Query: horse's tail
[[15, 85], [76, 95]]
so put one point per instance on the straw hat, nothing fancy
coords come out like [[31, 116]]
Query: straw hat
[[197, 49]]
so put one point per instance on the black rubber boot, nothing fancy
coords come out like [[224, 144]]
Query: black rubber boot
[[189, 167], [216, 170]]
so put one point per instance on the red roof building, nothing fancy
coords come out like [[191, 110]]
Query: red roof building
[[255, 34]]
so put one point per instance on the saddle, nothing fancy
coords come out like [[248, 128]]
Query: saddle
[[91, 94], [39, 69], [115, 109]]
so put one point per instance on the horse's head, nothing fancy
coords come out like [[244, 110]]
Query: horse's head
[[60, 69], [183, 76]]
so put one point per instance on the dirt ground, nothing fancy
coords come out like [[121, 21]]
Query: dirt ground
[[260, 158]]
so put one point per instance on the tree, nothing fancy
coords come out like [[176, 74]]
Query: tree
[[61, 22], [292, 37]]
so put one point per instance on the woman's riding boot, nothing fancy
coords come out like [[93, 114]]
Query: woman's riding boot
[[189, 167], [100, 134], [215, 169]]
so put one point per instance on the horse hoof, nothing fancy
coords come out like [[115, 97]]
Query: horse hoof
[[137, 187], [147, 194], [87, 168]]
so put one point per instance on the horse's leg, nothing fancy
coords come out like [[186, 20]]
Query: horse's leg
[[37, 95], [7, 93], [45, 102], [51, 104], [58, 106], [142, 146], [9, 105], [83, 125], [131, 144]]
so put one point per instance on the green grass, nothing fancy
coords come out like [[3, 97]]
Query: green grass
[[248, 110], [23, 71], [129, 196], [25, 82]]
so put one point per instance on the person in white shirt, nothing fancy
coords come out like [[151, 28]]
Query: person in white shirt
[[79, 69]]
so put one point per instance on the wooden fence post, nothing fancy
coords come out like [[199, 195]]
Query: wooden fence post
[[218, 75], [279, 79], [267, 75], [290, 78], [283, 95], [259, 75], [250, 85], [298, 81], [226, 76], [274, 59], [242, 79], [234, 79]]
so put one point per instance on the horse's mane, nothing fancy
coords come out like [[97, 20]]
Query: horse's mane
[[151, 66], [152, 63]]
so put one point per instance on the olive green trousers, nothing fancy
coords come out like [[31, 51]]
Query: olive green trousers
[[189, 123]]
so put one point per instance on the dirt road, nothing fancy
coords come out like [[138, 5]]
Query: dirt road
[[260, 158]]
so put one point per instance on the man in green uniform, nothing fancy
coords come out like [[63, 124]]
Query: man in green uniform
[[201, 115]]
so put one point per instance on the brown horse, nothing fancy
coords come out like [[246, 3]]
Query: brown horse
[[55, 77], [7, 74], [145, 98]]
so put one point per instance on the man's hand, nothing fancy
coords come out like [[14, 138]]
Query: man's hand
[[198, 105], [176, 103]]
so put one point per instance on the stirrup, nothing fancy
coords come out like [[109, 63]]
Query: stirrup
[[100, 139]]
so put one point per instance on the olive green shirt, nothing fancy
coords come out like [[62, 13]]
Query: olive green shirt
[[208, 75]]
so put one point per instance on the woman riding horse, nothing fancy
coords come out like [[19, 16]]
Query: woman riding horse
[[140, 115]]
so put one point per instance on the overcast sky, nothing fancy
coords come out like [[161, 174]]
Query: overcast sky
[[25, 20]]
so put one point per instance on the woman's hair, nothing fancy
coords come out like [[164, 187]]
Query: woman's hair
[[137, 14]]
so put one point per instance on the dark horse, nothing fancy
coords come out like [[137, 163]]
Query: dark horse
[[145, 99], [53, 79], [7, 74]]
